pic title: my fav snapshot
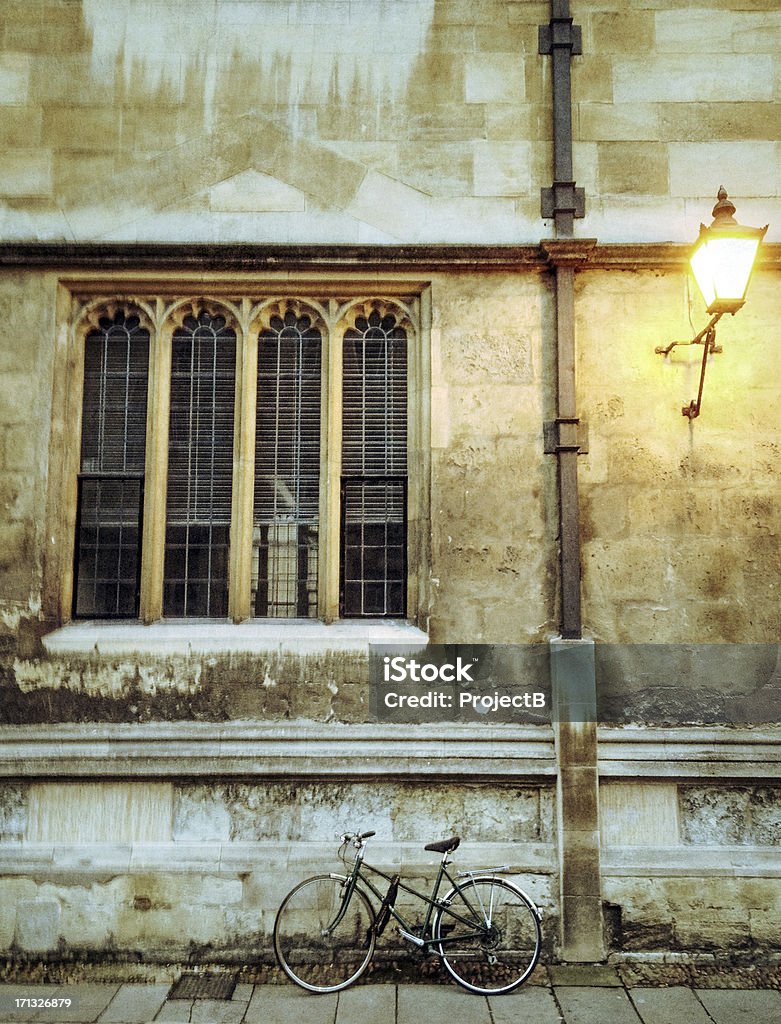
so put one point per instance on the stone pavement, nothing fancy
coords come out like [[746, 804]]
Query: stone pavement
[[572, 995]]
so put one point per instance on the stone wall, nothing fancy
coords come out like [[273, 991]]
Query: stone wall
[[179, 870], [420, 120]]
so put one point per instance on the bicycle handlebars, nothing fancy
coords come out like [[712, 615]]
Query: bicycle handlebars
[[356, 838]]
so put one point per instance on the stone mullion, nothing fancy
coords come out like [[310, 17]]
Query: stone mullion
[[156, 480], [330, 467], [239, 598]]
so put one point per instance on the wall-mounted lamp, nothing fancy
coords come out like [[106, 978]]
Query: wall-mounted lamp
[[722, 261]]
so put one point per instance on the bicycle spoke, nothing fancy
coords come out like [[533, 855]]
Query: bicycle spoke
[[320, 945], [498, 949]]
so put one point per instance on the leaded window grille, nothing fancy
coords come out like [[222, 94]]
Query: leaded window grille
[[287, 469], [200, 467], [110, 484], [243, 456], [374, 468]]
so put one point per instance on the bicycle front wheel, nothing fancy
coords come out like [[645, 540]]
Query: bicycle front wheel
[[320, 944], [489, 935]]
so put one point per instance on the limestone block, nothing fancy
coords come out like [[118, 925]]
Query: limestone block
[[765, 810], [199, 814], [501, 168], [751, 168], [509, 122], [442, 170], [253, 191], [25, 173], [702, 122], [391, 205], [637, 168], [592, 80], [728, 31], [618, 121], [100, 812], [498, 79], [714, 816], [614, 32], [86, 129], [634, 814], [20, 126], [695, 31], [679, 79], [37, 925], [14, 78], [13, 811]]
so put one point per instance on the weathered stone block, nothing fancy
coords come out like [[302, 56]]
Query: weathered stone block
[[86, 129], [714, 816], [37, 925], [605, 122], [200, 814], [14, 78], [614, 32], [750, 167], [637, 814], [25, 172], [20, 126], [13, 811], [679, 79], [702, 122], [638, 167], [495, 79], [501, 168], [592, 80]]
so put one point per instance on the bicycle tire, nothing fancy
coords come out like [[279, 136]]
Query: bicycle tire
[[314, 960], [507, 951]]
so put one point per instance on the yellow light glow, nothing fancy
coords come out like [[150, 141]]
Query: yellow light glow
[[722, 265]]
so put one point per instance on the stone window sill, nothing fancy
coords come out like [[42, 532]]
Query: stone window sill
[[207, 636]]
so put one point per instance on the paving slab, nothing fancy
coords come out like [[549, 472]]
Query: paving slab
[[584, 975], [526, 1004], [367, 1004], [218, 1011], [175, 1011], [282, 1003], [135, 1004], [440, 1004], [676, 1005], [88, 1002], [596, 1006], [742, 1005]]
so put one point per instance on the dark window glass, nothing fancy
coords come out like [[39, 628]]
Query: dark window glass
[[110, 495], [374, 468], [287, 469], [200, 468]]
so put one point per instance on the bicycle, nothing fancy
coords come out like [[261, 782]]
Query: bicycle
[[485, 930]]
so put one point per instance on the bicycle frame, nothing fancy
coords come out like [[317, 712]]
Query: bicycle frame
[[432, 901]]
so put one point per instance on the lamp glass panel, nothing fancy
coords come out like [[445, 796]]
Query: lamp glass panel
[[722, 267]]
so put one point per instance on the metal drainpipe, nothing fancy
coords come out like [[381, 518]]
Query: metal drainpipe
[[562, 202], [573, 673]]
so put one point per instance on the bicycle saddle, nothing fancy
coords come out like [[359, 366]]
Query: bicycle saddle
[[444, 845]]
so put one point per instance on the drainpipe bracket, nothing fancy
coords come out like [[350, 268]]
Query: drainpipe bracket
[[562, 197], [565, 434], [560, 34]]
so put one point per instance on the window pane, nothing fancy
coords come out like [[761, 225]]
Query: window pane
[[200, 468], [287, 469], [374, 468], [113, 439]]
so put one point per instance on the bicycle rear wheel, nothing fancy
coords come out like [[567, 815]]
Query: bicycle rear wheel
[[315, 950], [494, 943]]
